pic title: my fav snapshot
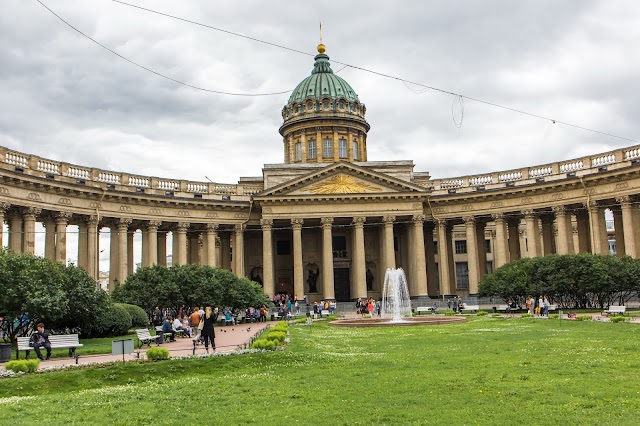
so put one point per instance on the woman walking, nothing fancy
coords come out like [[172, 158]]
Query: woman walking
[[208, 332]]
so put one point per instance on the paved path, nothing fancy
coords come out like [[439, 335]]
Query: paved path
[[228, 338]]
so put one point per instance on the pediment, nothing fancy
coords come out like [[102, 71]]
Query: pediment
[[342, 179]]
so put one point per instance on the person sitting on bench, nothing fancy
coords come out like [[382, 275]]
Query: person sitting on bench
[[40, 338], [167, 329]]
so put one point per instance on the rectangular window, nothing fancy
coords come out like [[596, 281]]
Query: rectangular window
[[487, 246], [462, 276], [461, 246], [327, 148], [343, 148], [311, 151], [356, 156], [298, 151]]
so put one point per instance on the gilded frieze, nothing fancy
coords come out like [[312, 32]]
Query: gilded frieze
[[342, 184]]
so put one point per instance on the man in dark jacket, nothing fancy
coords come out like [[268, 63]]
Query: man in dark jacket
[[39, 339], [168, 331]]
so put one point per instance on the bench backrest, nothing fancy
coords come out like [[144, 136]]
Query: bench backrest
[[62, 340], [143, 334], [617, 308]]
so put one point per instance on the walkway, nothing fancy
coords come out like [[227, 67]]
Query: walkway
[[228, 338]]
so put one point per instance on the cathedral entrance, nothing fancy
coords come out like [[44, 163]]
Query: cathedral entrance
[[341, 284]]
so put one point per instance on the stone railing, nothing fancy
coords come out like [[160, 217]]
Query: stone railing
[[612, 160], [70, 173]]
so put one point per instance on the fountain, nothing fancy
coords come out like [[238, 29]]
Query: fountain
[[396, 307], [396, 304]]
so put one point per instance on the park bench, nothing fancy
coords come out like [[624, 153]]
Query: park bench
[[466, 307], [179, 333], [57, 341], [144, 336], [426, 309], [613, 310]]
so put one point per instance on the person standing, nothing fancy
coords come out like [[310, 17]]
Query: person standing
[[40, 338], [208, 331]]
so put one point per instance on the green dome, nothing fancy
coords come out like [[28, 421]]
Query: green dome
[[322, 84]]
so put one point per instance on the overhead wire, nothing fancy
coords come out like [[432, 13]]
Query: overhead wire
[[381, 74]]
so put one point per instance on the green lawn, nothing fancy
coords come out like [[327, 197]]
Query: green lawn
[[487, 371]]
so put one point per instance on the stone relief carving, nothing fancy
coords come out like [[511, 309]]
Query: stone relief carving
[[34, 197], [125, 209], [211, 215], [64, 201]]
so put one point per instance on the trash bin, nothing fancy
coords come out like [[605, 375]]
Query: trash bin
[[273, 317], [495, 309], [161, 334], [5, 352], [560, 313]]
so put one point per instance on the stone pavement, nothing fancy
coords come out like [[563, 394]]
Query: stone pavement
[[228, 338]]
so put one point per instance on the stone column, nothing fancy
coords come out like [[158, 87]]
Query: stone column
[[531, 220], [268, 279], [238, 250], [152, 242], [628, 226], [181, 244], [29, 225], [123, 252], [49, 238], [418, 260], [359, 286], [502, 241], [430, 259], [62, 219], [600, 241], [513, 225], [472, 254], [212, 235], [15, 231], [584, 231], [298, 270], [389, 252], [548, 240], [564, 243], [92, 247], [445, 257], [327, 259], [130, 262], [162, 248], [113, 256], [3, 209]]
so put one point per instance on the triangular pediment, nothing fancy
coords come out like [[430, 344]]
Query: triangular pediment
[[341, 179]]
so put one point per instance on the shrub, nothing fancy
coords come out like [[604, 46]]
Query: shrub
[[282, 326], [584, 318], [482, 313], [138, 315], [619, 319], [269, 345], [23, 365], [527, 316], [113, 320], [496, 315], [553, 316], [157, 354], [276, 335]]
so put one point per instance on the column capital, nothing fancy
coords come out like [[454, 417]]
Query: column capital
[[418, 218], [92, 220], [559, 210], [469, 220], [4, 207], [529, 214], [498, 217], [624, 199], [213, 227], [183, 226], [442, 223], [593, 205], [359, 220], [123, 223], [30, 212], [388, 219], [297, 223], [240, 227], [266, 224], [326, 222], [153, 225], [63, 217]]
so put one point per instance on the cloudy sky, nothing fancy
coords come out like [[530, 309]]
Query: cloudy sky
[[67, 99]]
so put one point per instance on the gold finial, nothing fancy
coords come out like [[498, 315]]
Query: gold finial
[[321, 47]]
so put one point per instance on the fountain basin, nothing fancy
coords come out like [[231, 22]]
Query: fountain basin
[[380, 322]]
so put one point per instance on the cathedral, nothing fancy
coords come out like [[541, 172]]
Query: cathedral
[[326, 223]]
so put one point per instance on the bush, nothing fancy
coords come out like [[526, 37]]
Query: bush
[[139, 317], [482, 313], [619, 319], [276, 335], [113, 320], [554, 316], [282, 326], [496, 315], [269, 345], [23, 365], [584, 318], [527, 316], [157, 354]]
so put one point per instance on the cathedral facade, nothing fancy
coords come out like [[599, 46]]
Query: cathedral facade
[[327, 223]]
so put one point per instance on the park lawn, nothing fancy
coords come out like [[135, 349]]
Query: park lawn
[[485, 371]]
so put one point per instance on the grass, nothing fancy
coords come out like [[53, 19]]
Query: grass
[[485, 371]]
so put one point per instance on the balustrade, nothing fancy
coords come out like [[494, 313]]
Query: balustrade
[[48, 167], [603, 160], [571, 167]]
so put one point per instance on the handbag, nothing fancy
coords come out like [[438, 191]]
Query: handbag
[[201, 325]]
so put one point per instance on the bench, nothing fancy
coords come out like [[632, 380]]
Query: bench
[[466, 307], [57, 341], [426, 309], [613, 310], [179, 333], [145, 337]]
